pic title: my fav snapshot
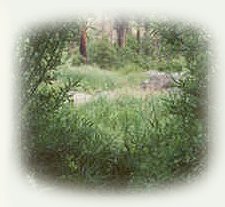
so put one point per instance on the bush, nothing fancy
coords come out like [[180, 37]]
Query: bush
[[74, 59], [189, 106], [151, 142], [172, 65], [129, 68], [127, 142], [39, 114], [39, 53], [102, 53]]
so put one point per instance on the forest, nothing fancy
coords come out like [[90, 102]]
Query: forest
[[113, 102]]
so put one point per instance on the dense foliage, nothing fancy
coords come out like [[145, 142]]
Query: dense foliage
[[131, 140], [39, 52], [102, 54]]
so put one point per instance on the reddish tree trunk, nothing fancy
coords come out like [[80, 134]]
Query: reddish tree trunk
[[83, 45]]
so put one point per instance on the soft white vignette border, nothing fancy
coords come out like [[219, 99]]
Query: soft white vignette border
[[14, 191]]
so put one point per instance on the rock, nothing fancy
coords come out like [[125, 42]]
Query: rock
[[79, 97], [160, 80]]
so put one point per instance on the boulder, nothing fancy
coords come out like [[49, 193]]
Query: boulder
[[160, 80]]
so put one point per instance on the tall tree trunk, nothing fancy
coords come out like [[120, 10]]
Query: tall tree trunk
[[121, 26], [121, 32], [111, 32], [138, 37], [83, 45]]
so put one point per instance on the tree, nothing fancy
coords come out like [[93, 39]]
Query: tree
[[85, 25], [83, 44], [83, 41], [138, 25], [121, 26]]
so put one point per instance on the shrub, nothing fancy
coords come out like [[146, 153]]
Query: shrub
[[74, 59], [102, 53], [126, 142], [129, 68], [172, 65], [189, 106], [39, 53]]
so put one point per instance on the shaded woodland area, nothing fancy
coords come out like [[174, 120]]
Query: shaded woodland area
[[114, 101]]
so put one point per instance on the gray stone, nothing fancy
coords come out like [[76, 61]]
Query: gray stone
[[160, 80]]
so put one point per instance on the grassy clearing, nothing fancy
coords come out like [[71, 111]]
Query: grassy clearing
[[94, 79]]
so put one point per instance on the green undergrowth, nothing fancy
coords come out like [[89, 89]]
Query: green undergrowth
[[128, 142], [93, 79], [132, 139]]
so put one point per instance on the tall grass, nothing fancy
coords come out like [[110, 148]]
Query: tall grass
[[128, 142], [94, 79]]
